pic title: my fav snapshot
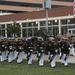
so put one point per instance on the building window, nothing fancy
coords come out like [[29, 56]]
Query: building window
[[3, 26], [42, 23], [23, 24], [30, 24], [13, 30], [50, 29], [24, 32], [71, 21], [29, 32], [35, 31], [35, 23], [3, 33], [8, 25], [64, 21], [2, 30], [55, 30], [55, 22], [64, 30], [50, 22]]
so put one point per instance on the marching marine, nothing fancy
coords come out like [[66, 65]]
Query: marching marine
[[72, 47], [51, 48], [29, 50], [11, 49], [64, 45], [20, 50], [40, 51], [3, 48]]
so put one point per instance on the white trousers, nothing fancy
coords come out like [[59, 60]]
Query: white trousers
[[64, 61], [11, 56], [52, 63], [20, 57], [72, 51], [30, 59], [3, 55], [6, 54], [41, 61], [48, 54]]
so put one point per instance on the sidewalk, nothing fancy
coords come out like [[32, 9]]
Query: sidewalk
[[71, 59]]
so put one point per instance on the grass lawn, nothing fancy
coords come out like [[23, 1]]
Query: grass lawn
[[25, 69]]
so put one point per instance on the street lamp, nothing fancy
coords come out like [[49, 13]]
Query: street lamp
[[46, 5]]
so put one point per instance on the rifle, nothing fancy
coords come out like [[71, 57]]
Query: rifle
[[29, 54], [51, 58], [49, 55], [39, 56], [61, 56], [67, 55]]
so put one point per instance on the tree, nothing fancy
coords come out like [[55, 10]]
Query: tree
[[14, 29]]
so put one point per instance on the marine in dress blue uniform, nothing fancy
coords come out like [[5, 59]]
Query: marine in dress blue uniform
[[40, 51]]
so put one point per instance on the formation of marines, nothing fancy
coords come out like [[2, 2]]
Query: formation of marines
[[12, 49]]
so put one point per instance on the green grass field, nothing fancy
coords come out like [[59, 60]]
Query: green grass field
[[25, 69]]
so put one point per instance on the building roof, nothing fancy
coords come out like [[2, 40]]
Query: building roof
[[54, 12], [16, 6]]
